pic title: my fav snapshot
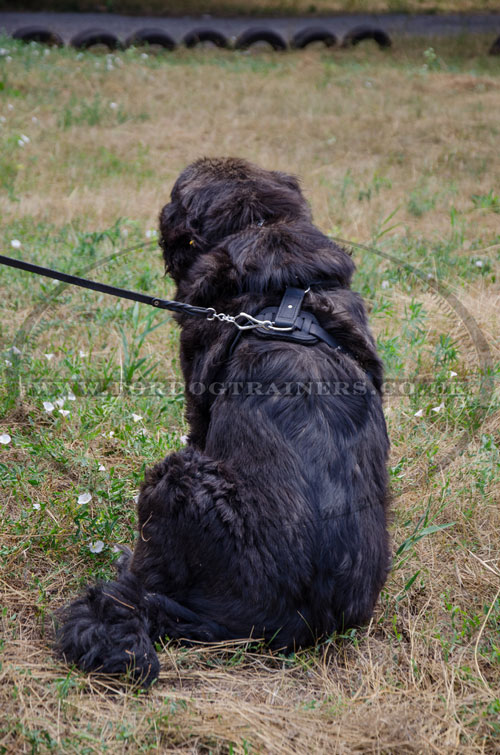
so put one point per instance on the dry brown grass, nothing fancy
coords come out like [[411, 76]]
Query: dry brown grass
[[330, 122], [369, 134]]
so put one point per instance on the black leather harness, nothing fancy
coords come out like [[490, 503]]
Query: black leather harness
[[294, 325]]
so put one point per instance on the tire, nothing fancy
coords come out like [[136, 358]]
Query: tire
[[196, 36], [38, 34], [360, 33], [90, 37], [312, 34], [251, 36], [495, 47], [151, 37]]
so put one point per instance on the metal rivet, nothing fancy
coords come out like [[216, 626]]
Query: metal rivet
[[290, 306]]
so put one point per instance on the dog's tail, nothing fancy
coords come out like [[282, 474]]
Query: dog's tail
[[112, 627]]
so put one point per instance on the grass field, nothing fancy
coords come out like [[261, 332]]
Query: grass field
[[395, 150], [250, 7]]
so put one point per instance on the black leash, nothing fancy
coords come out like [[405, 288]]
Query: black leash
[[242, 321], [282, 327], [286, 322], [103, 288]]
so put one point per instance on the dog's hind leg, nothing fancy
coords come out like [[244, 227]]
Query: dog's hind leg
[[112, 627]]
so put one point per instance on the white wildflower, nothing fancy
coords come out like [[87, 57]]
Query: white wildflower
[[136, 417], [419, 413], [479, 263], [71, 396], [150, 234], [59, 402], [385, 284], [438, 408], [96, 547], [25, 138], [5, 439], [84, 498], [49, 357], [15, 350], [136, 498], [64, 412], [102, 468], [82, 354], [15, 244], [8, 363], [36, 506], [48, 406], [184, 439], [452, 373]]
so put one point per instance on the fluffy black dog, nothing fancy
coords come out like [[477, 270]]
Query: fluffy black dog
[[272, 522]]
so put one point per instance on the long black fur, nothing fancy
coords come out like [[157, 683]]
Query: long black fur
[[272, 522]]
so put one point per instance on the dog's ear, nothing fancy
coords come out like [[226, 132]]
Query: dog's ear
[[176, 241]]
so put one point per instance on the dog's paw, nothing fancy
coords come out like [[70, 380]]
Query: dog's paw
[[105, 631]]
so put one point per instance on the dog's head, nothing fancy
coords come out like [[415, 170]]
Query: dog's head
[[228, 218], [218, 197]]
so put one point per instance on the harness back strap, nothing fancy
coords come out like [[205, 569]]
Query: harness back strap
[[289, 308]]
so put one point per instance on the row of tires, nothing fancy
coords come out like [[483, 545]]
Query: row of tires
[[311, 34], [91, 37]]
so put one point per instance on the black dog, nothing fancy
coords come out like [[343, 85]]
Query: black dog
[[272, 522]]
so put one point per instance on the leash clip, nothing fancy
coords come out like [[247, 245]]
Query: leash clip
[[249, 323]]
